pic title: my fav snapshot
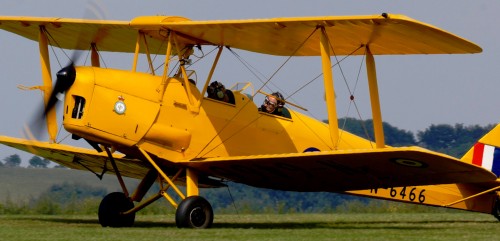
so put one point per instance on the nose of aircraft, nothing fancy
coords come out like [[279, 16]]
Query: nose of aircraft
[[65, 79]]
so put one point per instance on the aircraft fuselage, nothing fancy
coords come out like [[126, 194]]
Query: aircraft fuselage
[[123, 108]]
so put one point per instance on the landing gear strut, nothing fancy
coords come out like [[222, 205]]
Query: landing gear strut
[[194, 212], [111, 209], [117, 209]]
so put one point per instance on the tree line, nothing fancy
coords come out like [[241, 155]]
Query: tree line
[[14, 160], [454, 140]]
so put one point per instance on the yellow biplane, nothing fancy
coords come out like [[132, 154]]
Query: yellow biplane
[[160, 127]]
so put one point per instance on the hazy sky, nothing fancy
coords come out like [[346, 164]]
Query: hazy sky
[[416, 91]]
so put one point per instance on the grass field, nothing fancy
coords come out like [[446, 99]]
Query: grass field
[[442, 226]]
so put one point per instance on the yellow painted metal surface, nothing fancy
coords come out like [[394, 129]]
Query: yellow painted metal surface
[[191, 183], [378, 127], [224, 141], [132, 124], [163, 175], [438, 195], [394, 34], [103, 90], [345, 169], [331, 106], [114, 36]]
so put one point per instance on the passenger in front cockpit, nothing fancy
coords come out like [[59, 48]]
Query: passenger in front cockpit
[[218, 91]]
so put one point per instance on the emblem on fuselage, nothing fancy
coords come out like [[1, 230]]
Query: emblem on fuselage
[[120, 106]]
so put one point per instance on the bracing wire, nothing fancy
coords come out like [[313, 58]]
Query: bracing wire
[[232, 199], [52, 48], [352, 97], [321, 74], [281, 66], [264, 84]]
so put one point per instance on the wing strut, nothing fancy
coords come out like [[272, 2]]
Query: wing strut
[[374, 99], [162, 174], [165, 78], [472, 196], [210, 74], [94, 57], [329, 90], [182, 67], [47, 83]]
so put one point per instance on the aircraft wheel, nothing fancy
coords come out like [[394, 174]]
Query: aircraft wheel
[[194, 212], [110, 208], [496, 209]]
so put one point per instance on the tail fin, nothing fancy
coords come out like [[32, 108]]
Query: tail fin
[[486, 152]]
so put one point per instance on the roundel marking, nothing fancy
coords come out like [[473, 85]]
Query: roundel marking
[[409, 163], [311, 149], [120, 107]]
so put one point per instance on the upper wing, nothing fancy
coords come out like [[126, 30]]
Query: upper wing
[[392, 34], [116, 36], [78, 158], [344, 170], [108, 35]]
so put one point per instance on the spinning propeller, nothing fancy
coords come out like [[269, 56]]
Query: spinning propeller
[[65, 79]]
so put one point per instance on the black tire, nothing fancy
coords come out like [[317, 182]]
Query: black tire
[[110, 208], [194, 212], [496, 209]]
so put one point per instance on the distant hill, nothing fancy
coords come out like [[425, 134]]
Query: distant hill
[[20, 184]]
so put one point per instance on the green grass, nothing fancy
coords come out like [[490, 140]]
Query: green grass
[[425, 226]]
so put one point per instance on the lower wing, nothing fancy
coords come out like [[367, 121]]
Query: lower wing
[[344, 170], [331, 171], [78, 158]]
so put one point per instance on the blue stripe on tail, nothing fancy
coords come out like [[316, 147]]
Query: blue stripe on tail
[[496, 162]]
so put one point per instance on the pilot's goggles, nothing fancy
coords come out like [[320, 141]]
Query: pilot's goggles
[[270, 103]]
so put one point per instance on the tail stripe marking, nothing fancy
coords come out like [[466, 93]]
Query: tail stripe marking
[[478, 154], [495, 168], [487, 157]]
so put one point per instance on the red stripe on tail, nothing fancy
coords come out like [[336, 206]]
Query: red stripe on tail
[[477, 158]]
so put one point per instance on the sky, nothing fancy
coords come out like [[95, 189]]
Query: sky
[[415, 91]]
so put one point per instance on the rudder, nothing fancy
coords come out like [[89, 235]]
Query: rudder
[[486, 152]]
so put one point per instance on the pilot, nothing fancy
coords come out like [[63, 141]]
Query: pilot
[[218, 91], [273, 104]]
